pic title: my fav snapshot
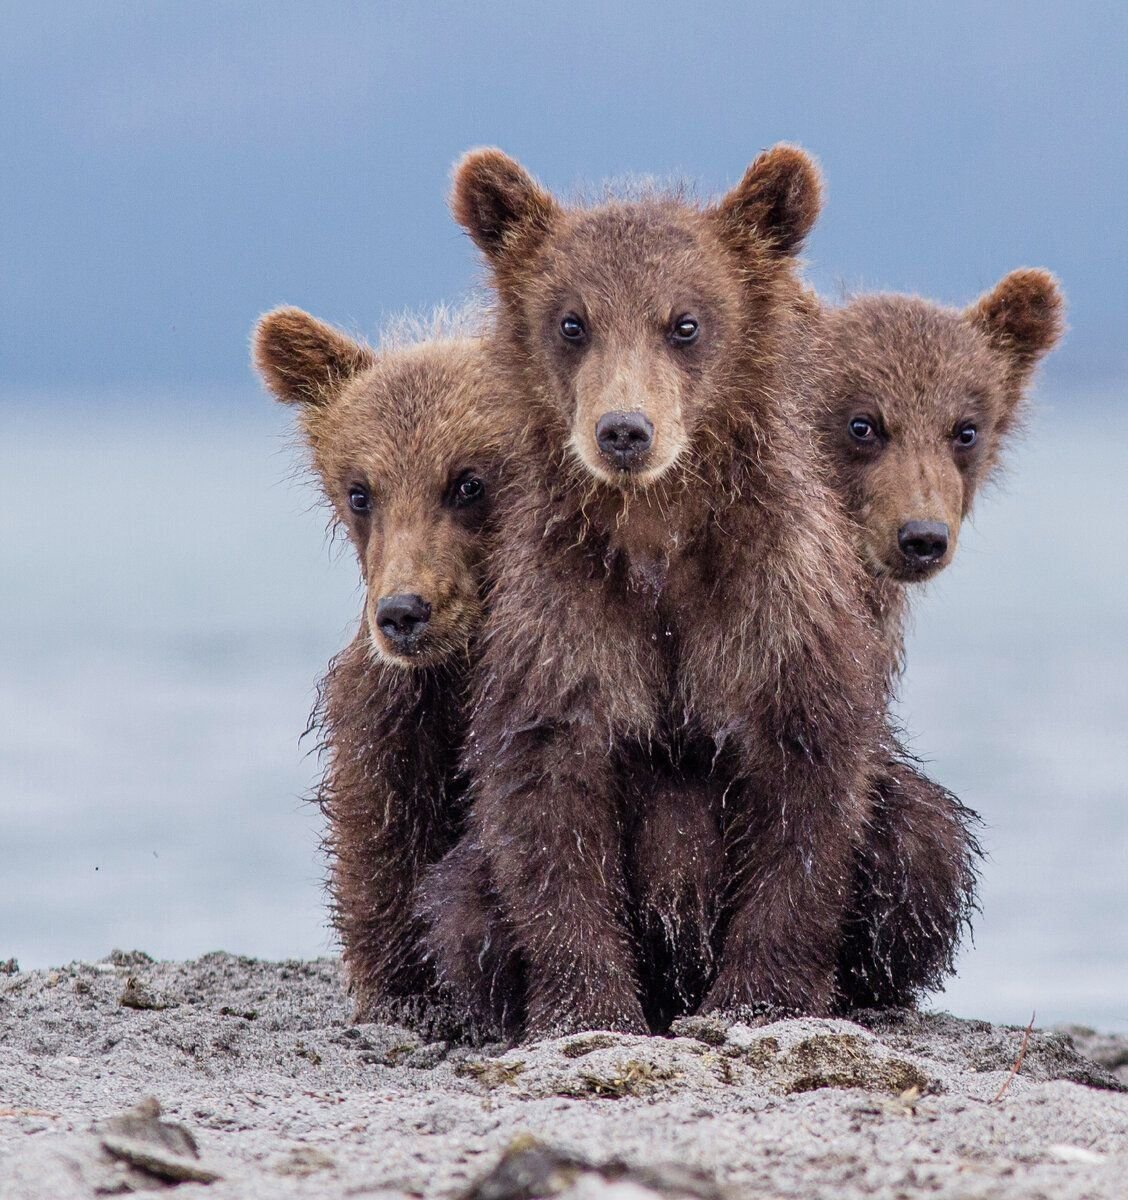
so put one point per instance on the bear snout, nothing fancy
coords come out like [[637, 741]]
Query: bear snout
[[923, 544], [402, 619], [624, 438]]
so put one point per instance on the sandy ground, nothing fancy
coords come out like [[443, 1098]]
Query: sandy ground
[[239, 1079]]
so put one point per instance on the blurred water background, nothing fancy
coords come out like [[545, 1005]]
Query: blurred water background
[[167, 599]]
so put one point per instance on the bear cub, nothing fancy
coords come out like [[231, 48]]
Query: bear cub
[[675, 586], [408, 444], [913, 404]]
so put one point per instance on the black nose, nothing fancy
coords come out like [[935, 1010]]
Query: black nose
[[402, 618], [923, 542], [624, 437]]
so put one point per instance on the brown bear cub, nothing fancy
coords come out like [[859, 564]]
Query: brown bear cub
[[408, 444], [912, 403], [676, 587]]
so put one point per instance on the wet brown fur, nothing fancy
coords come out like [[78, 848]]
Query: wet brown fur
[[676, 871], [913, 893], [705, 611], [405, 423]]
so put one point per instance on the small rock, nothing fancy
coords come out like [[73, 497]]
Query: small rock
[[1077, 1154], [1108, 1050], [708, 1029], [742, 1037], [157, 1148], [136, 995], [978, 1046], [527, 1171], [530, 1170], [302, 1161], [427, 1057], [155, 1162]]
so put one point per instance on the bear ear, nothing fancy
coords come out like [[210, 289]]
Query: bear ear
[[778, 199], [1022, 316], [302, 360], [497, 201]]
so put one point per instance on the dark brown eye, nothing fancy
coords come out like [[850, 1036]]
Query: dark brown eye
[[684, 330], [359, 499], [967, 435], [863, 430], [572, 328], [468, 490]]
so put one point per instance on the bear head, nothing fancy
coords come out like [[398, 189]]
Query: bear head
[[408, 445], [916, 404], [631, 320]]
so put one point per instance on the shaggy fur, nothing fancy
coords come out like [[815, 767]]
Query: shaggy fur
[[912, 896], [404, 429], [913, 892], [676, 874], [471, 942], [703, 606]]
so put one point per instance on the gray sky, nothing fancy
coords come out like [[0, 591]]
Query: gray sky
[[168, 171]]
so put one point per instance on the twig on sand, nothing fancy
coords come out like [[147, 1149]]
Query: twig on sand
[[1018, 1061]]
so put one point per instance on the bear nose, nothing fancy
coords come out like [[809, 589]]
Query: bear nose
[[624, 437], [402, 618], [923, 543]]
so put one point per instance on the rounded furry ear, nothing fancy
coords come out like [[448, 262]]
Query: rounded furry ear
[[496, 200], [1023, 315], [303, 360], [778, 199]]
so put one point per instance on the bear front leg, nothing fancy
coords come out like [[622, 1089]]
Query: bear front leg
[[375, 857], [913, 891], [389, 796], [545, 815], [781, 943], [676, 867], [799, 812], [471, 944]]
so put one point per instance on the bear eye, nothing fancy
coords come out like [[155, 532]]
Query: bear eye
[[360, 501], [468, 490], [862, 429], [572, 328], [684, 330], [967, 435]]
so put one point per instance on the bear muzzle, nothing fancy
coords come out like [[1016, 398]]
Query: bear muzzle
[[402, 621], [922, 548], [624, 439]]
